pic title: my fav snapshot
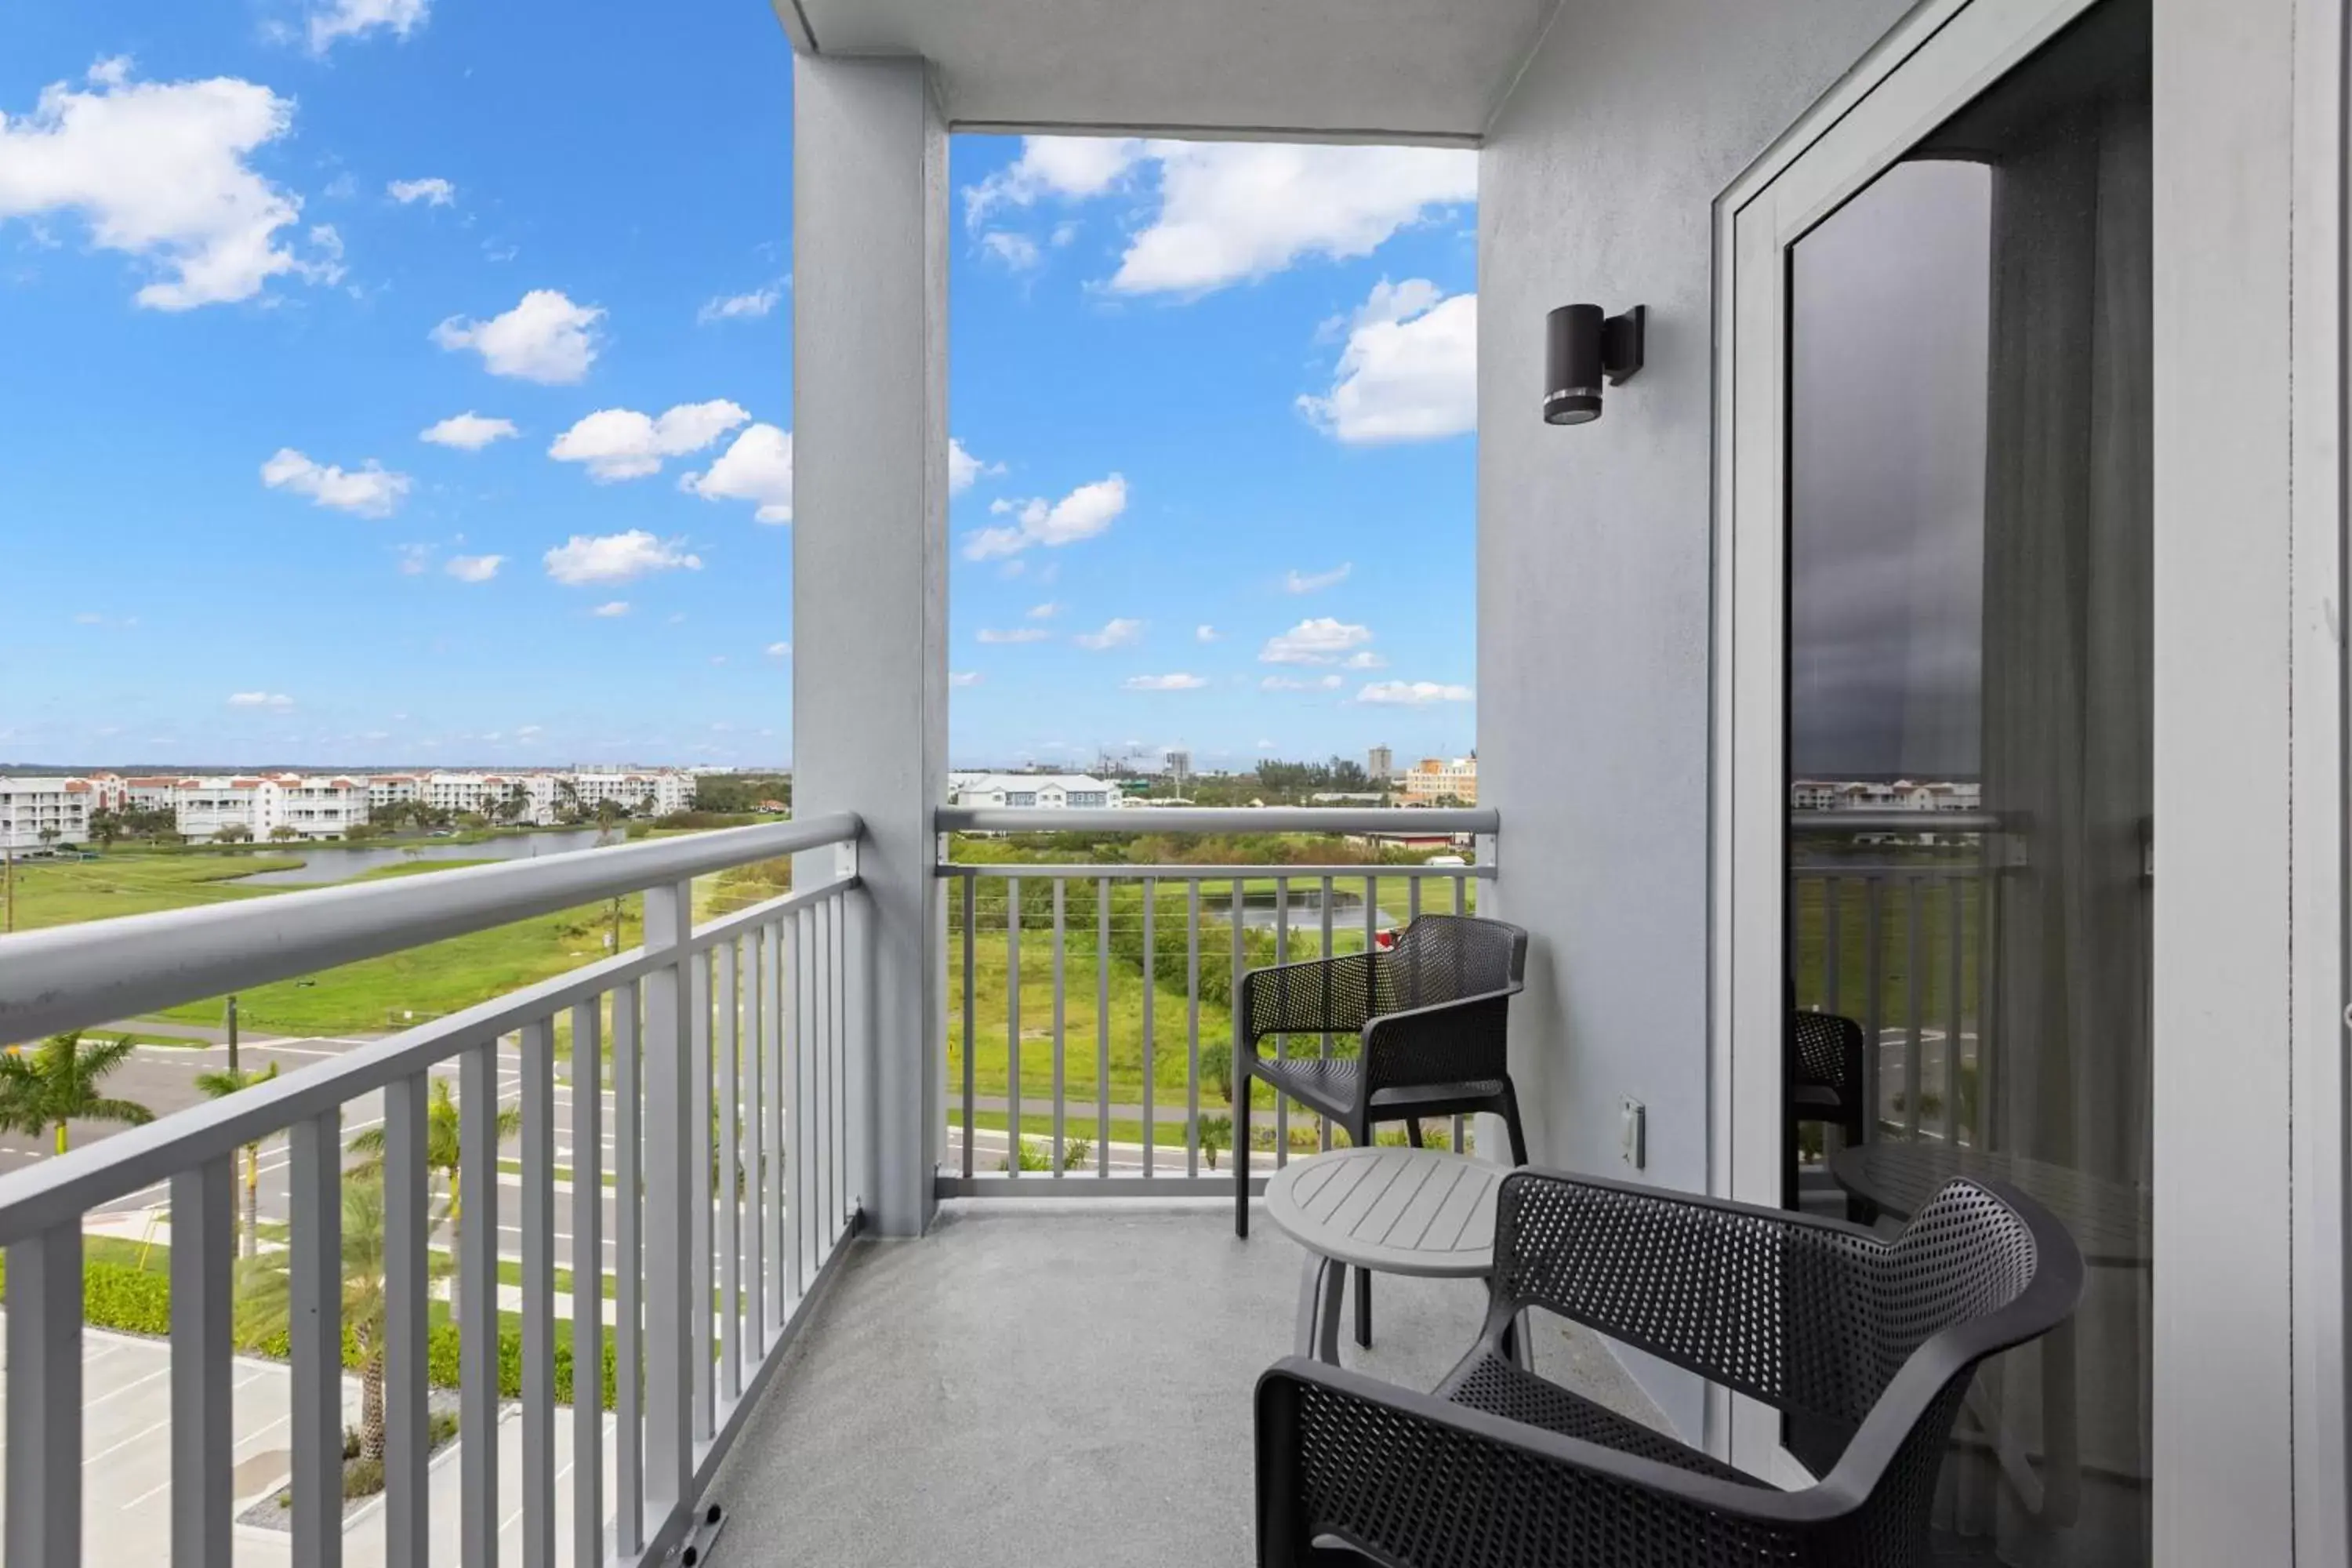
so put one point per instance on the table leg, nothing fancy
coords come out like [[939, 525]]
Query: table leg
[[1318, 1309]]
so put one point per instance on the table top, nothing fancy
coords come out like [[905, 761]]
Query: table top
[[1400, 1211], [2108, 1220]]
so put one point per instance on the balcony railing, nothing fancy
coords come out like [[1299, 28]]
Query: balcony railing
[[738, 1104], [1091, 1004]]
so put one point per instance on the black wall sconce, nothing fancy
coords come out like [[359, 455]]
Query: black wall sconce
[[1581, 347]]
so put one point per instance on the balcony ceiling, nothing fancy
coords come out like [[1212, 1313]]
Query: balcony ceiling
[[1415, 70]]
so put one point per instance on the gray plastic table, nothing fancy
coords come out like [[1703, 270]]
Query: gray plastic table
[[1395, 1211]]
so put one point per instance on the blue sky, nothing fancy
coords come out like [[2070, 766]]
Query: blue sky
[[409, 381]]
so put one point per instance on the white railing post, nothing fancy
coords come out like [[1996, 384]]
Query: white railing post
[[204, 1251], [669, 1184], [44, 1421]]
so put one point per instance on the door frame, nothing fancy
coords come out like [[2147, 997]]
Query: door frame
[[2251, 760]]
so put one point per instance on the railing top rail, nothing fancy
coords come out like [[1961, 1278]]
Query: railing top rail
[[54, 1192], [71, 977], [1894, 822], [1412, 820], [1224, 872]]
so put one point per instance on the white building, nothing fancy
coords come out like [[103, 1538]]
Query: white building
[[39, 812], [1046, 792]]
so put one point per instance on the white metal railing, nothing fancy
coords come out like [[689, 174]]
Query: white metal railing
[[1110, 922], [756, 1013]]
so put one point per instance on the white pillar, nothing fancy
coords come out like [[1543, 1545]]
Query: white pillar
[[869, 562]]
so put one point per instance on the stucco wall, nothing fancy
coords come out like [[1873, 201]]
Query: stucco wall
[[1597, 184]]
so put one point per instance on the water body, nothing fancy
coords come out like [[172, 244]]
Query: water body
[[326, 863], [1260, 906]]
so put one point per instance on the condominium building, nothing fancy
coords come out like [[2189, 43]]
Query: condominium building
[[1046, 792], [39, 812], [1434, 779]]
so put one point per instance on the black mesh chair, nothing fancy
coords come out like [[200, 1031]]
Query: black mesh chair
[[1432, 1014], [1825, 1086], [1500, 1468]]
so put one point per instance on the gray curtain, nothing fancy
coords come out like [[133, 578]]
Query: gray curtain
[[2062, 1058]]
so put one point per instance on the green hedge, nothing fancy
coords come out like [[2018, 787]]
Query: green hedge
[[139, 1302]]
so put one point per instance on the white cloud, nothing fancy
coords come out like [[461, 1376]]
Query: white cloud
[[416, 560], [1318, 641], [1409, 372], [740, 307], [1297, 582], [545, 338], [1083, 513], [1177, 682], [434, 193], [276, 701], [1017, 251], [963, 677], [1367, 659], [622, 444], [1017, 635], [1115, 633], [1293, 683], [780, 650], [159, 172], [474, 568], [356, 18], [1236, 210], [469, 432], [758, 468], [370, 490], [1415, 693], [616, 557], [612, 609], [1205, 634], [964, 470], [1044, 612], [1072, 167]]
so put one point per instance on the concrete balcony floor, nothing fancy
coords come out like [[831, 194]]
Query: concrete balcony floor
[[1039, 1383]]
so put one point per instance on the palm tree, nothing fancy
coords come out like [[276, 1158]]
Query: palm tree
[[442, 1149], [265, 1296], [57, 1082], [220, 1085]]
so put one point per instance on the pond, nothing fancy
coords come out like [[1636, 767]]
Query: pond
[[325, 863], [1259, 907]]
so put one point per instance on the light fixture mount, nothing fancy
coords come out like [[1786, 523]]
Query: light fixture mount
[[1584, 348]]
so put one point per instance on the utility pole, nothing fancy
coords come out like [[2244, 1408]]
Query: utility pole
[[232, 1034]]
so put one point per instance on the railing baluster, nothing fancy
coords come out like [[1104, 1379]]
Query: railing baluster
[[1323, 1051], [1952, 1018], [699, 1305], [971, 989], [407, 1295], [1281, 1042], [796, 1116], [587, 1288], [771, 1114], [1192, 1027], [838, 1153], [537, 1147], [1412, 900], [1150, 1014], [757, 1022], [628, 1276], [314, 1340], [1914, 996], [204, 1252], [670, 1178], [1833, 940], [1238, 1098], [478, 1306], [731, 1197], [45, 1415], [1102, 1026], [1874, 998], [1060, 944], [1013, 1025]]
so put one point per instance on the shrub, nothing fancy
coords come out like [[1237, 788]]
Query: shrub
[[363, 1477], [1076, 1153]]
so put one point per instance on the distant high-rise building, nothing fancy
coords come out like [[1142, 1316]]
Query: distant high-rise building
[[1179, 768], [1383, 765]]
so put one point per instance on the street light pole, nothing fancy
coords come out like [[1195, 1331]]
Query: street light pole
[[232, 1035]]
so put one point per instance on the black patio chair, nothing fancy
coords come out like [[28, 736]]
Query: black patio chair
[[1825, 1086], [1432, 1014], [1818, 1318]]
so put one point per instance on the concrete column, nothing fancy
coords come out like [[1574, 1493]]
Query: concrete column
[[869, 565]]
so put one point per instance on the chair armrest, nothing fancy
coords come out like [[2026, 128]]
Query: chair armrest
[[1308, 997], [1445, 1042], [1413, 1479], [1732, 1291]]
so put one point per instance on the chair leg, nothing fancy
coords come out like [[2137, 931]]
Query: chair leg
[[1360, 1135], [1241, 1149], [1511, 1124], [1413, 1131]]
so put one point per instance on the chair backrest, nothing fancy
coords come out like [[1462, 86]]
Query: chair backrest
[[1824, 1051], [1443, 958]]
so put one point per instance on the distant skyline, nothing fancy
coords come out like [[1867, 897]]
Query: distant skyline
[[465, 436]]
